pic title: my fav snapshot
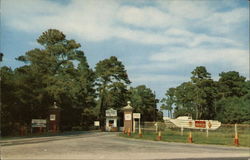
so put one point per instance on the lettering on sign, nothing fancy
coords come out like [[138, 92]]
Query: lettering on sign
[[97, 123], [136, 115], [52, 117], [190, 123], [200, 124], [128, 117], [111, 113]]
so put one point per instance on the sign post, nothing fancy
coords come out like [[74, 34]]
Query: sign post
[[207, 125], [133, 125], [140, 124], [136, 116], [182, 130], [38, 123]]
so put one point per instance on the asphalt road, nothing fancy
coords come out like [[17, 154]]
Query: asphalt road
[[109, 146]]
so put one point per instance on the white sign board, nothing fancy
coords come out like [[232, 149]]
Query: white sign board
[[38, 122], [136, 115], [128, 117], [111, 113], [97, 123], [43, 121], [52, 117], [184, 122]]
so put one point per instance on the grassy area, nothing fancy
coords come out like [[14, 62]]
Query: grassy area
[[223, 136]]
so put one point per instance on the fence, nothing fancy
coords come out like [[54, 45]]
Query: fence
[[224, 135]]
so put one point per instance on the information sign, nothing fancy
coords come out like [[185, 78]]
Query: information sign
[[97, 123], [200, 124], [38, 122], [111, 113], [128, 117], [137, 115], [52, 117]]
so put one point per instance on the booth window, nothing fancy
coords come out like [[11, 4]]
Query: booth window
[[111, 122]]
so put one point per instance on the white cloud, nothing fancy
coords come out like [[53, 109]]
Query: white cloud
[[146, 78], [151, 67], [144, 17], [187, 9], [226, 22], [89, 19], [237, 58], [180, 29], [98, 20]]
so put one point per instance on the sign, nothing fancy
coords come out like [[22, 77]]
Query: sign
[[186, 122], [52, 117], [137, 115], [97, 123], [128, 117], [200, 124], [38, 122], [111, 113]]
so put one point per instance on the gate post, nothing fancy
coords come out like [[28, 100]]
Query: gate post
[[128, 119], [54, 118]]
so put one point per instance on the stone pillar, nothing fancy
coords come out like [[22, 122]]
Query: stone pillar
[[128, 119], [54, 118]]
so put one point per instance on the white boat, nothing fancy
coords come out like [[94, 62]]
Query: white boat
[[188, 122]]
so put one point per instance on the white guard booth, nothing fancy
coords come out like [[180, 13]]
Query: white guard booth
[[111, 120]]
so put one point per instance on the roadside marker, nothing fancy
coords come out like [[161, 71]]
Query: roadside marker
[[190, 139], [236, 138], [124, 130], [129, 133], [140, 133], [159, 136]]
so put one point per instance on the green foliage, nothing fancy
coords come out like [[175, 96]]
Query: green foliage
[[199, 73], [144, 101], [233, 109], [231, 84], [58, 71], [203, 98], [112, 81], [8, 99], [205, 93], [169, 101]]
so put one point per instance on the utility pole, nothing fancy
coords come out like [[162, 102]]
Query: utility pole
[[155, 107]]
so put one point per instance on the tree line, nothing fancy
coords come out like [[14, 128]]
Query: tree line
[[226, 100], [58, 72]]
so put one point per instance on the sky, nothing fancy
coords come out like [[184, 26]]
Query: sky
[[160, 42]]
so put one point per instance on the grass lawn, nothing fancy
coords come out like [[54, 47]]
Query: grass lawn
[[223, 136]]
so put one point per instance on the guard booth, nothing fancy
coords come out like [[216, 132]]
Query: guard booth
[[111, 120]]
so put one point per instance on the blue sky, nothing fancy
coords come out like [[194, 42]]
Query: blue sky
[[160, 42]]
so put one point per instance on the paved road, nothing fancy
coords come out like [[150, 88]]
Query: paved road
[[109, 146]]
